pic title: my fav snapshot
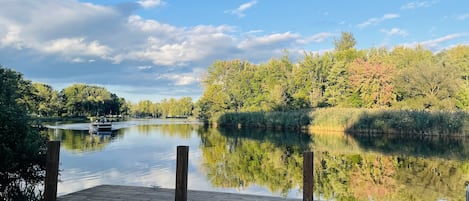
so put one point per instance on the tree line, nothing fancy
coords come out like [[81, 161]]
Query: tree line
[[83, 100], [401, 78]]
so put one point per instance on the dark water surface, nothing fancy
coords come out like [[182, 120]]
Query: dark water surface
[[143, 153]]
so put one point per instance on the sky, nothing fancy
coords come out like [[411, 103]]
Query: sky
[[156, 49]]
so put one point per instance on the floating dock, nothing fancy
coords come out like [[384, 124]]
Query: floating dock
[[136, 193]]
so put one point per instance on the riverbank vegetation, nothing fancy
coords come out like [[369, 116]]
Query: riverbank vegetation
[[354, 120], [410, 81], [22, 147]]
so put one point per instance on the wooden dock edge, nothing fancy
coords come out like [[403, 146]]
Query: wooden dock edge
[[124, 193]]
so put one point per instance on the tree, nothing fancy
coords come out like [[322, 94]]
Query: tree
[[186, 106], [89, 100], [312, 74], [458, 57], [405, 58], [373, 81], [47, 103], [428, 86], [213, 102], [346, 42], [338, 91], [22, 148]]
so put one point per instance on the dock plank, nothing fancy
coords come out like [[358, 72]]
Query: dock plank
[[137, 193]]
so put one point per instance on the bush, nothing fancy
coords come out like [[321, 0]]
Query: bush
[[22, 148]]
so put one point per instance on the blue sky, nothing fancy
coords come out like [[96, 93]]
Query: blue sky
[[155, 49]]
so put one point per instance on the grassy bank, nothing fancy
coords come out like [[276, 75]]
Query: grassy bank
[[377, 121], [294, 120]]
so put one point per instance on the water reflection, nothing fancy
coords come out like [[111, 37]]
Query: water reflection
[[390, 168], [268, 163], [425, 146], [82, 141], [239, 159]]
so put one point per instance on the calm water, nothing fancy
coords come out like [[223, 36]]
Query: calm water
[[143, 153]]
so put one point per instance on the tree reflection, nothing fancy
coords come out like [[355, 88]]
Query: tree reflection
[[179, 130], [82, 141], [244, 158], [345, 167]]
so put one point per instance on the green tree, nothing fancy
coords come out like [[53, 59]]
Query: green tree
[[428, 86], [89, 100], [405, 58], [345, 42], [312, 74], [22, 148], [338, 92], [124, 107], [213, 102], [47, 102], [458, 57], [186, 106]]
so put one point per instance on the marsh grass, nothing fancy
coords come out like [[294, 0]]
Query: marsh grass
[[294, 120], [352, 120]]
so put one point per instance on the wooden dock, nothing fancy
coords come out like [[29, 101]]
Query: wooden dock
[[135, 193]]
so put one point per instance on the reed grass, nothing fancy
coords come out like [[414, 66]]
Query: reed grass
[[267, 120], [353, 120]]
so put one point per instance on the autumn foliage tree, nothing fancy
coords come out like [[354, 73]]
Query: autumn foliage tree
[[373, 82]]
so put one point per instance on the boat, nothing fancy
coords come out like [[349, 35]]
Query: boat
[[100, 125]]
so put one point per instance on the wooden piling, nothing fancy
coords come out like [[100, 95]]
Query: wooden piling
[[52, 171], [467, 192], [308, 176], [182, 163]]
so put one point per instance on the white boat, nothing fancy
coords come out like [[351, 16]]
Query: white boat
[[100, 125]]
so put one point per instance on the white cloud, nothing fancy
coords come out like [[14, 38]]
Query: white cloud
[[12, 37], [77, 60], [150, 3], [150, 25], [436, 44], [243, 7], [316, 38], [268, 40], [75, 46], [376, 21], [182, 79], [181, 46], [395, 31], [463, 16], [417, 4], [144, 67]]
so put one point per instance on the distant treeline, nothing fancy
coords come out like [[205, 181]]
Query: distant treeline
[[82, 100], [403, 78]]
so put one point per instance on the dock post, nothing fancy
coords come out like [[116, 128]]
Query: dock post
[[308, 179], [52, 171], [467, 192], [182, 162]]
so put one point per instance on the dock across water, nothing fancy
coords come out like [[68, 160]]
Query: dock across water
[[134, 193]]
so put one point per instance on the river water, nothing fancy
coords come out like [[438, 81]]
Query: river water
[[346, 167]]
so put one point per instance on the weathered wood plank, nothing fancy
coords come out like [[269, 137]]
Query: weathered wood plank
[[134, 193]]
